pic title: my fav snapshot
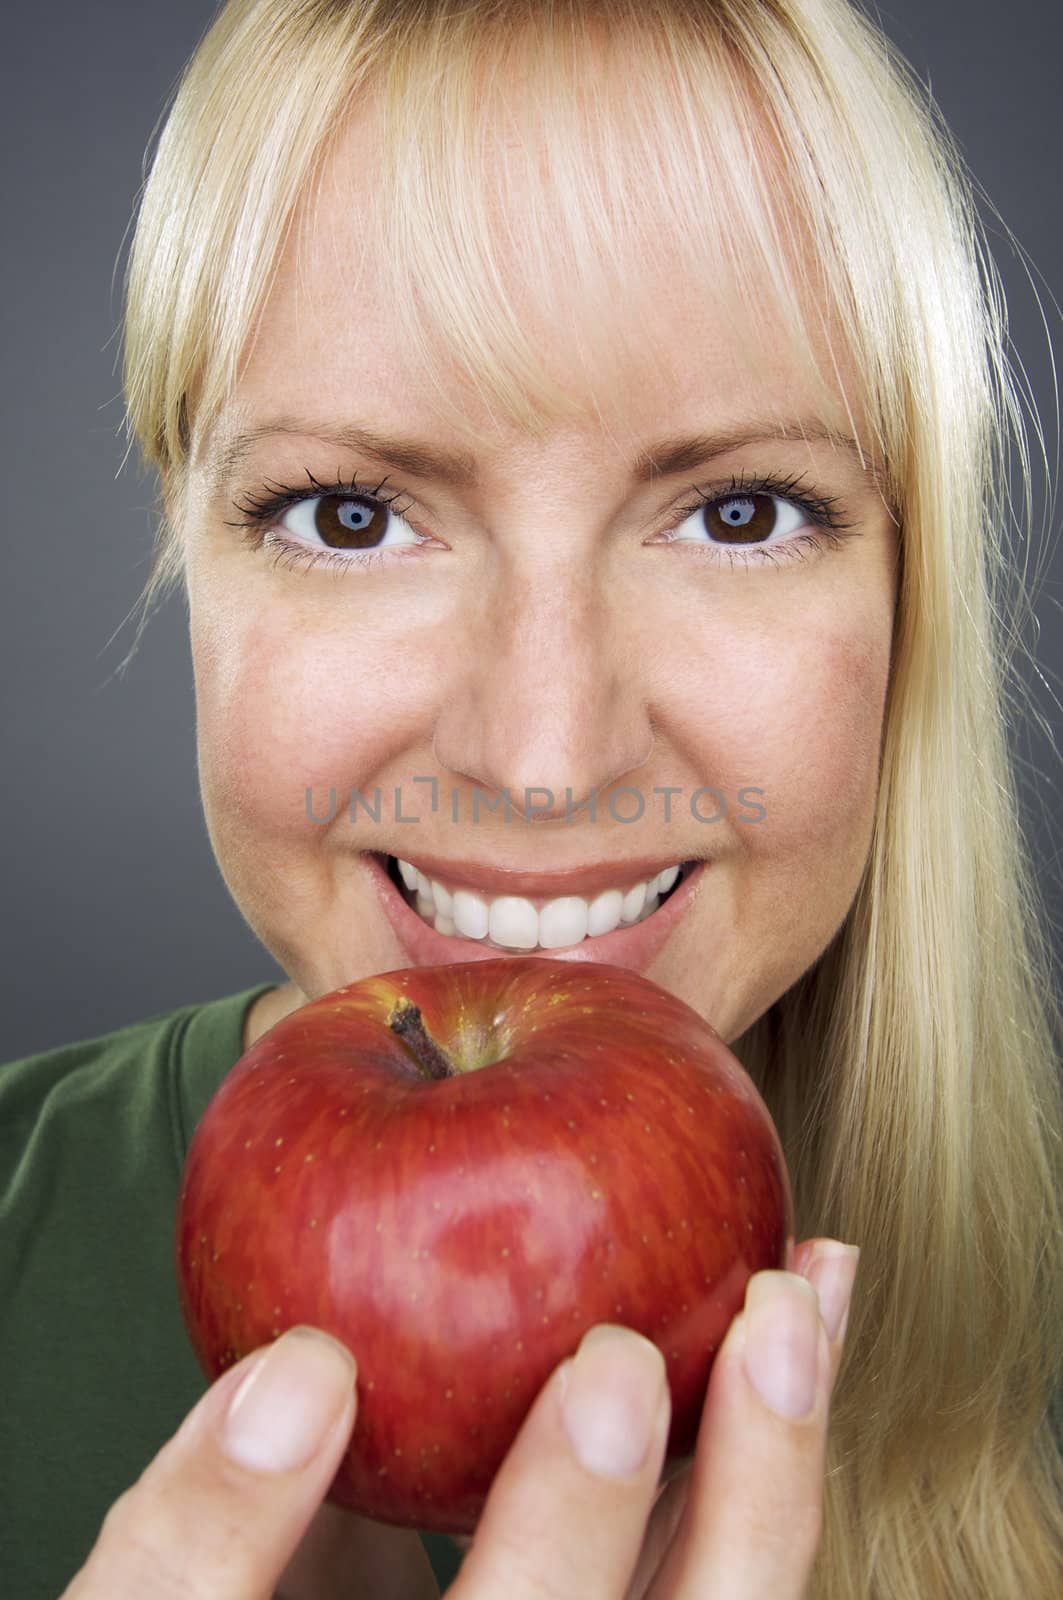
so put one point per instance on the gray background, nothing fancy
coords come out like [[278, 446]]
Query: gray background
[[113, 907]]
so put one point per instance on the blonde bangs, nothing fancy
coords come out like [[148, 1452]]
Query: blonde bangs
[[508, 179], [509, 195], [512, 197], [506, 142]]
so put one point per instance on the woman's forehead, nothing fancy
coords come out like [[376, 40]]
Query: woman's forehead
[[679, 341], [645, 340]]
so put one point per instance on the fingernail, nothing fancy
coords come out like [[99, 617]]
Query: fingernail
[[611, 1397], [782, 1341], [286, 1406], [832, 1270]]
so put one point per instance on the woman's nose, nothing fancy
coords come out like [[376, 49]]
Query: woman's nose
[[548, 702]]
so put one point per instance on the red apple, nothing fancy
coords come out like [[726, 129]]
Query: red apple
[[457, 1171]]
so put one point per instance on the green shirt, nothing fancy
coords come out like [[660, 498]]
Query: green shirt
[[96, 1368]]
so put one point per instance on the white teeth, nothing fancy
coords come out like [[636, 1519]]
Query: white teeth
[[603, 914], [666, 879], [634, 901], [444, 900], [470, 914], [563, 922], [514, 923]]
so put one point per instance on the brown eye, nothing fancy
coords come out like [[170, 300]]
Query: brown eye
[[347, 522], [358, 523], [748, 519], [744, 519]]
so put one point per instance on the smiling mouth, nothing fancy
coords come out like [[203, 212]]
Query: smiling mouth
[[513, 924]]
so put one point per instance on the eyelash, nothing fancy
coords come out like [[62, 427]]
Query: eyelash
[[821, 510]]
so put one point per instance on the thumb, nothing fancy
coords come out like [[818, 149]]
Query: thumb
[[220, 1511]]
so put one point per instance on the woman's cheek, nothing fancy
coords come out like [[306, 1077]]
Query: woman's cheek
[[285, 706], [808, 730]]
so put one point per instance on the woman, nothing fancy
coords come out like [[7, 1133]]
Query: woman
[[726, 518]]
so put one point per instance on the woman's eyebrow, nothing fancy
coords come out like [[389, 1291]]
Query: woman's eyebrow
[[458, 469]]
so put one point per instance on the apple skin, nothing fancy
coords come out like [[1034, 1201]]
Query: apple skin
[[601, 1156]]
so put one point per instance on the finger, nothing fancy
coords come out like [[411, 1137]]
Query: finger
[[667, 1510], [826, 1266], [222, 1507], [754, 1513], [568, 1509], [809, 1260], [343, 1555]]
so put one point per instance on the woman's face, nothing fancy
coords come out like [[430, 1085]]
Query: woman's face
[[562, 629]]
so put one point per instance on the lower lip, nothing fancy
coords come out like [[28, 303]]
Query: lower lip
[[635, 947]]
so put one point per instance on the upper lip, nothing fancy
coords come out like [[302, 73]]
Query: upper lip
[[581, 881]]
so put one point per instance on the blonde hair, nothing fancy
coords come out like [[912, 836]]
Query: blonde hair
[[913, 1071]]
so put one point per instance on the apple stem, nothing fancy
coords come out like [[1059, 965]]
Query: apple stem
[[432, 1060]]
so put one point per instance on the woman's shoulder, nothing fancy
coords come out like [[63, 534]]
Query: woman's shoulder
[[98, 1368], [167, 1064]]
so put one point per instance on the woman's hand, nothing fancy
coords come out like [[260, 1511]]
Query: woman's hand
[[789, 1542], [231, 1508], [741, 1522]]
